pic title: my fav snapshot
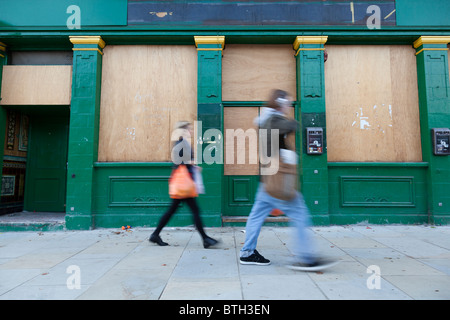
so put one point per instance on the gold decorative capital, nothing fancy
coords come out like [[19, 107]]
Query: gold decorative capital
[[431, 40], [309, 40], [2, 46], [88, 40], [210, 40]]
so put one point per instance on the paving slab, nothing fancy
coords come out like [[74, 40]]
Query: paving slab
[[376, 262]]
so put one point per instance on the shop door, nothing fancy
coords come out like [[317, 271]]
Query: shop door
[[241, 180], [45, 186]]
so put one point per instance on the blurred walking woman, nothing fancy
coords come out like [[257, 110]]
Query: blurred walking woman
[[182, 155]]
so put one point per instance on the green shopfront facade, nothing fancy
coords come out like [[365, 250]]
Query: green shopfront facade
[[373, 75]]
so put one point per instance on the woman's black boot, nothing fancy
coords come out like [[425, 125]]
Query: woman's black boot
[[208, 242], [157, 239]]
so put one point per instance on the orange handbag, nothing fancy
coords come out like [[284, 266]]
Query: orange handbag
[[181, 185]]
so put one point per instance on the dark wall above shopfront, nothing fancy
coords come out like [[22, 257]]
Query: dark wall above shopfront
[[254, 13]]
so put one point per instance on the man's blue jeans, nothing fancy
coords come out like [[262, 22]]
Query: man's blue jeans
[[299, 217]]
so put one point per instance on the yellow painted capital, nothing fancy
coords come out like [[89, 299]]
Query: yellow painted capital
[[88, 40], [431, 40], [210, 40], [2, 46], [309, 40]]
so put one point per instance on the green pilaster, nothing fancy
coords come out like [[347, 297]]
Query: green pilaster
[[209, 112], [313, 169], [434, 104], [84, 126], [2, 110]]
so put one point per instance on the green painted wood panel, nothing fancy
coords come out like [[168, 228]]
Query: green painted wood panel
[[50, 13], [239, 194], [83, 135], [137, 194], [422, 13], [434, 102], [313, 169], [377, 193], [45, 186]]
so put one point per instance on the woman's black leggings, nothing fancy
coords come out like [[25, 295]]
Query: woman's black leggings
[[195, 212]]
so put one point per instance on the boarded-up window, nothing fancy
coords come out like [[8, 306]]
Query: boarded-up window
[[241, 152], [145, 91], [251, 72], [36, 85], [244, 142], [372, 106]]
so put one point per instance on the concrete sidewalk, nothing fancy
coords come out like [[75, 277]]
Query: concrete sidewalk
[[413, 261]]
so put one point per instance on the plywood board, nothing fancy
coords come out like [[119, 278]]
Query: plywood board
[[36, 85], [372, 107], [405, 108], [242, 118], [145, 91], [236, 118], [251, 72]]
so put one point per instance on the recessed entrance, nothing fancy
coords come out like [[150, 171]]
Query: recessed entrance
[[41, 185]]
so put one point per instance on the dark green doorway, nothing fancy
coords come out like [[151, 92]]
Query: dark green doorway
[[46, 173]]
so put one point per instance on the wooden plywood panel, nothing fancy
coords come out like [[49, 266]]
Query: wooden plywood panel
[[372, 104], [36, 85], [290, 139], [251, 72], [240, 118], [145, 91], [405, 108], [236, 118]]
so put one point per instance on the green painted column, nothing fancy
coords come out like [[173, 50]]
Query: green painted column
[[84, 128], [313, 169], [434, 106], [209, 115], [2, 110]]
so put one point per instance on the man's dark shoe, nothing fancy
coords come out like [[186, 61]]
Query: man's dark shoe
[[256, 259], [317, 265]]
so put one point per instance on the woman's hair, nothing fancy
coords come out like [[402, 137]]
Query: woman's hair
[[182, 124], [276, 94]]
